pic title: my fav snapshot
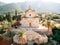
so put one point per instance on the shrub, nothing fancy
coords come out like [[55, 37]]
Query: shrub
[[56, 34]]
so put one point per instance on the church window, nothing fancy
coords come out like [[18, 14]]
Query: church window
[[29, 14]]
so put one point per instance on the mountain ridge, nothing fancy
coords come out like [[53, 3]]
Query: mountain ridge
[[38, 6], [2, 3]]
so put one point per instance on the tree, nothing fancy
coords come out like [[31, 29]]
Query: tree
[[1, 17], [18, 17], [21, 32], [56, 34], [8, 17], [48, 24], [55, 17], [15, 12], [15, 16]]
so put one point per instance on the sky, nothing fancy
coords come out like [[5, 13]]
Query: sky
[[16, 1]]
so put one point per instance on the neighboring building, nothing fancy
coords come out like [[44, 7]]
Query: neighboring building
[[43, 15], [57, 20]]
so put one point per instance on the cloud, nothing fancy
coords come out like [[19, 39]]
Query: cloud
[[56, 1], [12, 1], [15, 1]]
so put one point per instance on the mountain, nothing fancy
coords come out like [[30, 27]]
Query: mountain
[[9, 8], [2, 3], [36, 5]]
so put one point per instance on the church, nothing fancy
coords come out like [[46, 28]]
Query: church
[[33, 30]]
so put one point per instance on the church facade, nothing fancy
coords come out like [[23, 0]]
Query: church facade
[[30, 19]]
